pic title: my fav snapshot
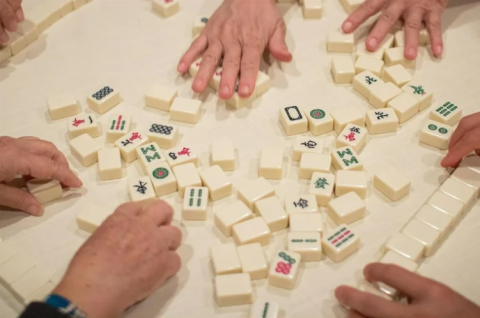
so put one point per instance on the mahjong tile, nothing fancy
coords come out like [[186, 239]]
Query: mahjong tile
[[344, 116], [166, 8], [180, 155], [199, 24], [128, 144], [118, 125], [399, 260], [284, 269], [149, 154], [420, 92], [223, 155], [396, 55], [340, 243], [262, 85], [472, 162], [109, 164], [195, 203], [448, 114], [85, 149], [310, 163], [186, 110], [305, 144], [160, 97], [346, 209], [254, 191], [343, 69], [468, 176], [405, 246], [447, 204], [366, 82], [272, 211], [302, 203], [382, 94], [271, 163], [251, 231], [319, 120], [141, 190], [225, 259], [368, 63], [293, 120], [460, 191], [381, 121], [264, 309], [436, 134], [307, 244], [63, 105], [346, 159], [405, 105], [423, 233], [104, 100], [253, 261], [217, 182], [162, 178], [233, 290], [353, 136], [194, 67], [187, 176], [340, 42], [392, 183], [216, 79], [351, 5], [321, 186], [437, 219], [83, 124], [306, 222], [397, 74], [232, 214], [165, 135], [312, 9]]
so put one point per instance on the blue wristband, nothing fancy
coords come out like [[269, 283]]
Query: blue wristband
[[64, 306]]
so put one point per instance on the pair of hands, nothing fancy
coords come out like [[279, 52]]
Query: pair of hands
[[11, 14], [240, 30], [427, 298]]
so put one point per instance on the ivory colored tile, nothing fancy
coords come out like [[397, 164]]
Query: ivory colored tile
[[368, 287], [63, 105], [311, 163], [84, 149], [381, 121], [6, 252], [29, 30], [351, 5], [109, 164], [468, 176], [225, 259], [352, 136], [312, 9], [254, 191], [181, 155], [199, 24], [460, 191], [400, 38], [187, 176], [340, 42], [83, 124], [368, 63], [104, 100], [14, 268], [272, 211], [262, 85], [237, 102], [303, 203], [424, 234], [346, 209], [217, 182], [232, 214], [322, 185], [305, 144], [141, 190], [405, 246], [264, 309], [448, 114], [194, 68], [149, 154], [472, 162], [395, 55], [129, 143], [216, 79], [5, 53], [340, 243], [344, 116], [405, 105], [186, 110], [387, 41], [307, 244], [92, 216], [284, 270], [253, 261], [251, 231], [319, 120], [343, 69], [195, 204], [17, 42], [363, 51], [77, 4], [166, 8], [271, 163], [397, 74], [436, 134], [223, 155], [162, 178], [306, 222], [233, 290], [118, 126], [40, 294], [420, 92], [448, 204], [392, 183], [437, 219], [45, 190], [160, 97], [293, 120], [351, 181], [382, 94], [29, 282], [365, 82], [346, 159], [399, 260]]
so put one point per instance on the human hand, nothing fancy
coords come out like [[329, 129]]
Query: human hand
[[30, 156], [239, 30], [11, 14], [414, 12], [124, 261], [428, 298], [465, 139]]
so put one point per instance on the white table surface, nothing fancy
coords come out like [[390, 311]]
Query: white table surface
[[125, 45]]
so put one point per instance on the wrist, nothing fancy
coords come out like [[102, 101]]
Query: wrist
[[93, 303]]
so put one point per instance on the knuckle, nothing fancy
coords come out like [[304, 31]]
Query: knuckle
[[211, 58], [413, 25], [388, 17], [368, 7]]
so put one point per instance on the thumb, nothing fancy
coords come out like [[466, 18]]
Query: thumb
[[20, 200], [277, 45]]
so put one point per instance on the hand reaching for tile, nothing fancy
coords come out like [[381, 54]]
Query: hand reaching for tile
[[11, 14], [239, 31], [414, 12], [465, 139], [428, 298], [30, 156], [141, 243]]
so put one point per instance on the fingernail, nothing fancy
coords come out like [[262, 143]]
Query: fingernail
[[411, 52], [347, 26], [373, 42], [20, 15], [34, 210], [438, 50], [3, 38], [245, 90], [198, 82], [225, 90]]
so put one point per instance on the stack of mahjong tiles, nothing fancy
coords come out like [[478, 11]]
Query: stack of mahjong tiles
[[432, 224], [262, 85], [39, 17]]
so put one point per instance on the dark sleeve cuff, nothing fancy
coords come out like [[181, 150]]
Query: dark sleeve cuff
[[42, 310]]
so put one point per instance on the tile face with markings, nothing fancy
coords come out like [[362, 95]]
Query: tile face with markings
[[195, 203], [340, 244]]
